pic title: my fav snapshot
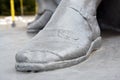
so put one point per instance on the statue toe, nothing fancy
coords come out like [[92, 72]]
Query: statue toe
[[43, 56]]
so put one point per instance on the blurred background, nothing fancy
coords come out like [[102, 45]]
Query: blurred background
[[22, 7], [16, 12]]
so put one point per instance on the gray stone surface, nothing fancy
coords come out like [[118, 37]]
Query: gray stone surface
[[103, 64]]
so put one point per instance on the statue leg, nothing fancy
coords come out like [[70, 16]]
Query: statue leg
[[68, 38], [45, 10]]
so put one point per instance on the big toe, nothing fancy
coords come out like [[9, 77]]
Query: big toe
[[21, 57]]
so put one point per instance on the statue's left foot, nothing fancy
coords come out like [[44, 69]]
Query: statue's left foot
[[45, 10], [36, 18], [68, 39], [39, 23]]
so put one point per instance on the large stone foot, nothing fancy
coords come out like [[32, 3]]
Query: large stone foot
[[68, 39], [45, 10]]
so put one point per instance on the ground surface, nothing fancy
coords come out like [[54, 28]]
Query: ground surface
[[104, 64]]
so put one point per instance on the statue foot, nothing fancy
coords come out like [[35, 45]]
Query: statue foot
[[45, 11], [68, 39], [36, 17], [40, 22]]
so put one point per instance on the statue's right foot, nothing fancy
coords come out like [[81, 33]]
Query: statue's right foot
[[68, 39]]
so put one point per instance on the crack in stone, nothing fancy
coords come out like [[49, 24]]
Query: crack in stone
[[51, 53], [83, 17]]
